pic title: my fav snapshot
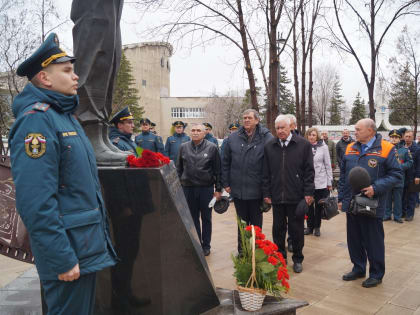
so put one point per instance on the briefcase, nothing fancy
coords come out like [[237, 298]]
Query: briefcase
[[412, 187], [329, 207], [362, 205]]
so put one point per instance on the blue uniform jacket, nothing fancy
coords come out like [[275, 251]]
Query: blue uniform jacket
[[380, 160], [222, 147], [211, 138], [150, 141], [173, 144], [406, 161], [58, 194], [413, 171], [122, 140]]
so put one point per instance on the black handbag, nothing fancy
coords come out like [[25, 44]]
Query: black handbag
[[329, 207], [362, 205]]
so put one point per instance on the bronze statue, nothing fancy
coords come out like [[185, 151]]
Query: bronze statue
[[97, 45]]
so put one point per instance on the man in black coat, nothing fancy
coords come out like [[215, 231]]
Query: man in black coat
[[341, 145], [242, 168], [288, 179]]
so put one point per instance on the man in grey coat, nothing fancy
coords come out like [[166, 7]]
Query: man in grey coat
[[242, 168]]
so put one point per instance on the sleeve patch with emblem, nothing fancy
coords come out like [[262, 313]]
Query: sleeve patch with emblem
[[35, 145]]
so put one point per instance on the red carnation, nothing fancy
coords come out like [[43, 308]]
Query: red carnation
[[272, 260]]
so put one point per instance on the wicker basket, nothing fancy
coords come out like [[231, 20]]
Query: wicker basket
[[251, 298]]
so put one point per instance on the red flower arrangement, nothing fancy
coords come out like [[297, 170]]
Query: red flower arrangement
[[271, 269], [147, 158]]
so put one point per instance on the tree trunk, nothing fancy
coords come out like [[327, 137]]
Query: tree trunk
[[311, 83], [248, 67], [295, 75], [272, 106], [303, 73]]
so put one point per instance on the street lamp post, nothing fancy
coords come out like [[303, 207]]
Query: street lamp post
[[279, 41]]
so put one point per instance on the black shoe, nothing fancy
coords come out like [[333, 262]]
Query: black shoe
[[206, 251], [297, 267], [386, 219], [410, 218], [308, 231], [290, 247], [317, 232], [371, 282], [399, 220], [353, 276]]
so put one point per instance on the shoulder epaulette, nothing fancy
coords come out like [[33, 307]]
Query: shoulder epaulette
[[42, 107], [116, 140]]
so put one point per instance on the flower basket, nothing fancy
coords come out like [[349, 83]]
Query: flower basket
[[251, 299], [259, 268]]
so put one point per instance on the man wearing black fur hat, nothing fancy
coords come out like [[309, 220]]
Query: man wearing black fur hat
[[365, 234]]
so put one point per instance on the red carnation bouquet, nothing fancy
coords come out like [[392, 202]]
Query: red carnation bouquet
[[269, 270], [147, 158]]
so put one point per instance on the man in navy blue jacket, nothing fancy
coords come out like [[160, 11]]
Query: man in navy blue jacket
[[58, 194], [412, 174], [365, 235], [120, 135]]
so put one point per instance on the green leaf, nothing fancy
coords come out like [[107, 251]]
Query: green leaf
[[139, 151], [265, 267], [260, 255]]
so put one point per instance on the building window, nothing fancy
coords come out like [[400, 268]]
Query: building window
[[181, 112], [162, 62], [143, 82]]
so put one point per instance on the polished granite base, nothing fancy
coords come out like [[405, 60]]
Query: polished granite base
[[162, 269]]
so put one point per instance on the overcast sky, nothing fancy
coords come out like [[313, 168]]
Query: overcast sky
[[215, 69]]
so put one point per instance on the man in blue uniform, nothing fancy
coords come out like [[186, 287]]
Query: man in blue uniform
[[232, 128], [365, 235], [174, 142], [209, 136], [58, 194], [146, 139], [120, 135], [161, 148], [396, 194], [412, 175]]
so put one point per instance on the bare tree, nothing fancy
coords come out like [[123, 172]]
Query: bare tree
[[46, 14], [408, 46], [370, 14], [323, 88], [222, 111]]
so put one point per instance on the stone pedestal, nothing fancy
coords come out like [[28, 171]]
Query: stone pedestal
[[162, 263]]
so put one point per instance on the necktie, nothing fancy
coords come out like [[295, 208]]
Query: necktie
[[283, 143]]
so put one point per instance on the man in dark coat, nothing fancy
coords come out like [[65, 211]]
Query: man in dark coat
[[242, 168], [198, 166], [342, 145], [288, 179], [148, 140], [120, 135], [173, 143], [365, 234], [58, 194]]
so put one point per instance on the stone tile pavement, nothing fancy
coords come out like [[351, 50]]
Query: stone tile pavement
[[326, 259]]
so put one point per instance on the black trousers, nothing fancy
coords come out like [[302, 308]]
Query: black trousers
[[198, 199], [249, 211], [365, 240], [284, 219], [314, 214]]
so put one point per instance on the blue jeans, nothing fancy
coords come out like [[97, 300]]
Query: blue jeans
[[394, 195]]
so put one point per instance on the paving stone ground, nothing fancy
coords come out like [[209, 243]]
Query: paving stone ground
[[326, 259]]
